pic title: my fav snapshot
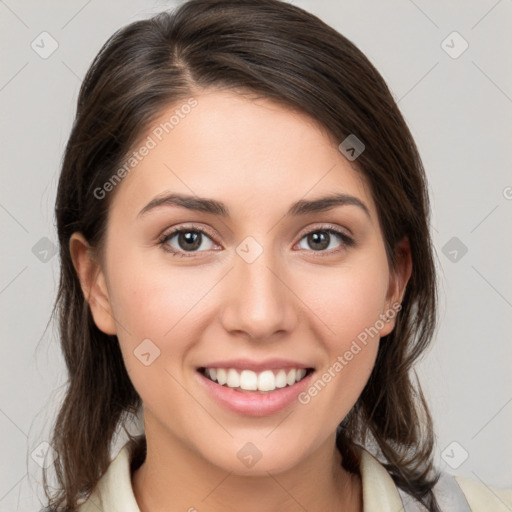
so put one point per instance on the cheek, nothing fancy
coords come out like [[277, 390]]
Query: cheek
[[157, 307], [348, 300], [347, 303], [153, 299]]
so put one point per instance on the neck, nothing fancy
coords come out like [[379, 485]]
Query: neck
[[175, 478]]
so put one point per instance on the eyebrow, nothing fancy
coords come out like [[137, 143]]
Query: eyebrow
[[215, 207]]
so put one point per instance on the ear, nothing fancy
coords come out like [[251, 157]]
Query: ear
[[398, 280], [93, 283]]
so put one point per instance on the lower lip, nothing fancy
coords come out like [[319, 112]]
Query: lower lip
[[255, 404]]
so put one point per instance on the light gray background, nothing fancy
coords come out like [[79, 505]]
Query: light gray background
[[459, 111]]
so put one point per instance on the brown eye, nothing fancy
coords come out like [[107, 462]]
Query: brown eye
[[189, 240], [186, 240], [324, 240], [319, 240]]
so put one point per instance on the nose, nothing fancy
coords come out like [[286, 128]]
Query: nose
[[259, 302]]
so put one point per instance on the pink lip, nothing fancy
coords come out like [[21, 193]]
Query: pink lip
[[254, 403], [255, 366]]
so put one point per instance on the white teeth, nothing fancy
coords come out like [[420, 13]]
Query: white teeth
[[233, 379], [281, 379], [266, 381], [248, 380], [222, 376]]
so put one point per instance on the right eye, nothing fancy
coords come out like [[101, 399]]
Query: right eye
[[181, 241]]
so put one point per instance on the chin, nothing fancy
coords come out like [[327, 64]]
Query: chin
[[246, 459]]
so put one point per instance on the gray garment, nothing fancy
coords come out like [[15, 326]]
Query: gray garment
[[448, 493]]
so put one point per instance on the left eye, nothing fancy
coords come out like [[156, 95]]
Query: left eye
[[321, 239]]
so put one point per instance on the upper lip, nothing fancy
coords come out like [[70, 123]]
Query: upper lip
[[257, 366]]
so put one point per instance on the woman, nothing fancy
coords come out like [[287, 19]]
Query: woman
[[243, 224]]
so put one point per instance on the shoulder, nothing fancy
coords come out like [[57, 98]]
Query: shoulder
[[460, 494], [483, 498], [453, 493]]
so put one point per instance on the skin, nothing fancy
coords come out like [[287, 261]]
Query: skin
[[293, 301]]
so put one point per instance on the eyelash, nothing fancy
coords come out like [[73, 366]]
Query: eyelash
[[347, 241]]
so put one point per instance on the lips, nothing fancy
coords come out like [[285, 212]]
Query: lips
[[270, 386]]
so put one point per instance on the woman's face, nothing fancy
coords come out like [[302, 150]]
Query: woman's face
[[255, 281]]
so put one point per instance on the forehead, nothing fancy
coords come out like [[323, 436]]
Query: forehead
[[245, 151]]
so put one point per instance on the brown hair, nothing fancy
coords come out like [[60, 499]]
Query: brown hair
[[280, 52]]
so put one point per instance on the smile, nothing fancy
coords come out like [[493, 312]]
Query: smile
[[257, 392], [248, 380]]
